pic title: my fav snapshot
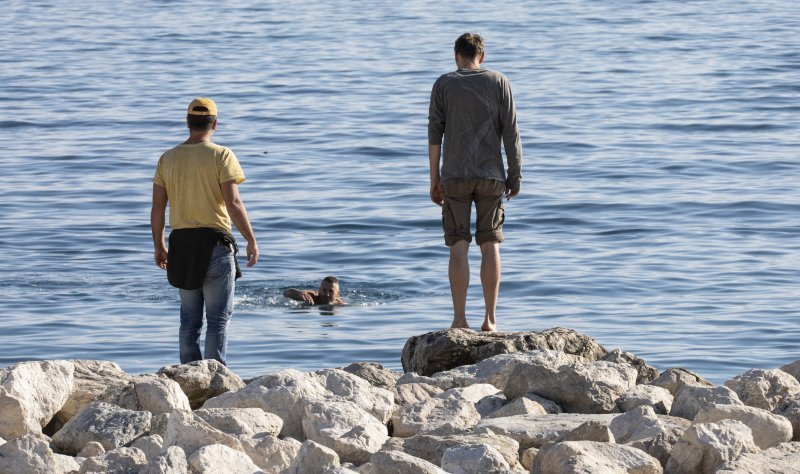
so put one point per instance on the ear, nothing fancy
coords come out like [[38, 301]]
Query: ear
[[214, 125], [483, 55]]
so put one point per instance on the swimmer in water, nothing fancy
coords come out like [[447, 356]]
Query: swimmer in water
[[328, 293]]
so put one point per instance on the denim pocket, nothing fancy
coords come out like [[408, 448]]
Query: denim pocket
[[221, 263]]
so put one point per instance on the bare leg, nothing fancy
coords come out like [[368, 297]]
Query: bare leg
[[490, 281], [458, 271]]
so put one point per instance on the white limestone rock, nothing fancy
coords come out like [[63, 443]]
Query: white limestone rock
[[377, 401], [764, 388], [191, 433], [375, 374], [793, 369], [241, 422], [28, 453], [705, 446], [528, 457], [536, 430], [474, 459], [270, 453], [411, 393], [217, 458], [551, 407], [31, 393], [486, 398], [520, 406], [768, 429], [437, 416], [594, 457], [789, 408], [91, 379], [107, 424], [650, 395], [346, 428], [590, 431], [397, 462], [674, 379], [117, 460], [203, 379], [171, 461], [92, 448], [781, 459], [646, 373], [639, 423], [65, 464], [690, 399], [432, 448], [151, 446], [314, 458], [150, 393]]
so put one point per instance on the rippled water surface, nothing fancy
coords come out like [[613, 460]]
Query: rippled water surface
[[658, 212]]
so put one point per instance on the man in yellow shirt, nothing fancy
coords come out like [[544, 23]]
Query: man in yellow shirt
[[199, 179]]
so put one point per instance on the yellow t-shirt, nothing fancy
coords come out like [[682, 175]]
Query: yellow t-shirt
[[192, 175]]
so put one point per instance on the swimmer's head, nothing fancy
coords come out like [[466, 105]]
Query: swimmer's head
[[329, 290]]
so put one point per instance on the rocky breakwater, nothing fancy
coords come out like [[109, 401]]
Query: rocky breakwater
[[549, 402]]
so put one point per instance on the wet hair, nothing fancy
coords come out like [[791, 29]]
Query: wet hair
[[332, 280], [469, 46], [200, 122]]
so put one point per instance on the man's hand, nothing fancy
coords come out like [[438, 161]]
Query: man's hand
[[437, 194], [252, 254], [511, 193], [160, 256]]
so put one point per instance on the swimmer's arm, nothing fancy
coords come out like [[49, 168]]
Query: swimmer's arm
[[306, 296]]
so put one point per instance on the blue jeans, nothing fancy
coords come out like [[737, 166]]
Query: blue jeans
[[217, 295]]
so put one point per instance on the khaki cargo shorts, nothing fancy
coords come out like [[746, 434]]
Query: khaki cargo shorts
[[487, 194]]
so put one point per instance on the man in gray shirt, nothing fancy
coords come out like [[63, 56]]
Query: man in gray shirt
[[472, 110]]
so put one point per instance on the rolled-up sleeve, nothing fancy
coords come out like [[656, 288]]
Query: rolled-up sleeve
[[436, 115]]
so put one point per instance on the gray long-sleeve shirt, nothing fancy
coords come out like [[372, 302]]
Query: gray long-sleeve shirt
[[472, 109]]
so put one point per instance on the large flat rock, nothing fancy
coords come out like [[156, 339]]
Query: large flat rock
[[438, 351]]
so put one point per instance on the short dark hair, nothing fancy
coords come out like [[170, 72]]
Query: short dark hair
[[332, 280], [469, 45], [200, 122]]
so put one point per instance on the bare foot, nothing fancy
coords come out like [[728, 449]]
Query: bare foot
[[459, 324], [486, 326]]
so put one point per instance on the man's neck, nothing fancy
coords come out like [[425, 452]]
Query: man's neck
[[198, 138], [473, 65]]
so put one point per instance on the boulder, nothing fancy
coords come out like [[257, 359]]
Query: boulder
[[646, 373], [270, 453], [191, 433], [549, 406], [639, 423], [149, 393], [764, 388], [704, 446], [690, 399], [533, 431], [171, 461], [793, 369], [219, 458], [241, 422], [375, 374], [158, 425], [593, 457], [781, 459], [27, 454], [104, 423], [91, 379], [674, 379], [151, 446], [646, 395], [789, 408], [411, 393], [438, 351], [398, 462], [590, 431], [314, 458], [31, 393], [486, 397], [474, 459], [346, 428], [377, 401], [768, 429], [527, 458], [92, 449], [437, 416], [520, 406], [203, 379], [432, 448], [117, 460]]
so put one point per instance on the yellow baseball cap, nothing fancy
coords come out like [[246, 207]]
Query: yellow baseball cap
[[202, 106]]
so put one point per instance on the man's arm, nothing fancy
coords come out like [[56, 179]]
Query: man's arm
[[307, 296], [157, 222], [511, 142], [434, 154], [238, 213]]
